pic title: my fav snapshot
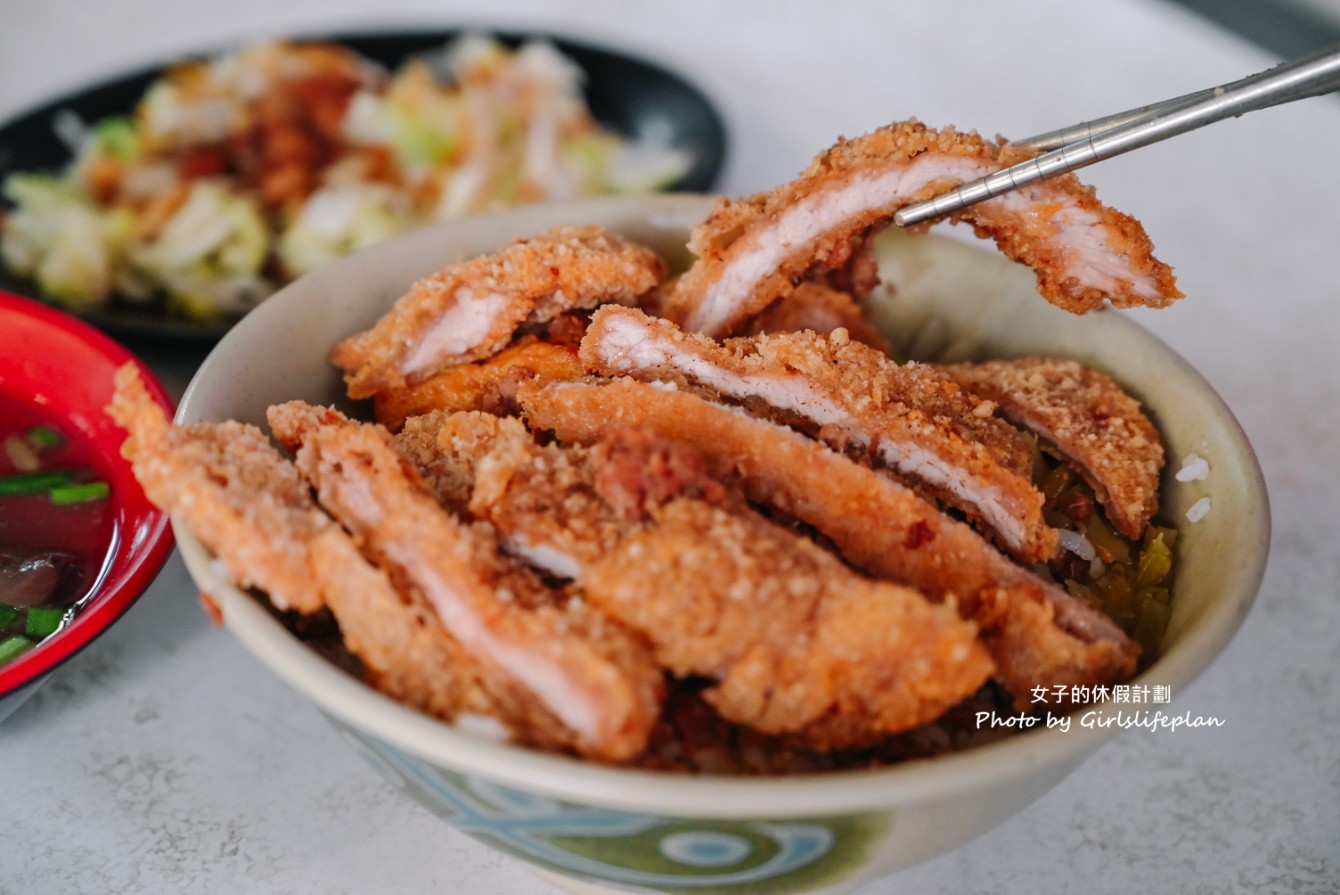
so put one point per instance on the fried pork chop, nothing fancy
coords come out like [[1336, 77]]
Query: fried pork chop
[[909, 418], [752, 522], [820, 309], [577, 680], [472, 309], [249, 506], [488, 384], [880, 526], [558, 508], [1086, 418], [752, 251], [226, 481], [794, 641]]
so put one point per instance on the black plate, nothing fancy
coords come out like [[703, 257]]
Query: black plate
[[626, 94]]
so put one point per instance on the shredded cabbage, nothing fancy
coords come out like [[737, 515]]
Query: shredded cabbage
[[338, 220], [285, 156], [58, 238], [209, 254], [116, 137]]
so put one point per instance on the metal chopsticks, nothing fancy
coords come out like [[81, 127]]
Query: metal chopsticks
[[1075, 147]]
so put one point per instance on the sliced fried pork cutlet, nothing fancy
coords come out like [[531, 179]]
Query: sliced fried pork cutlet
[[488, 385], [910, 418], [406, 652], [556, 508], [567, 677], [229, 485], [446, 448], [636, 471], [876, 523], [1086, 418], [856, 276], [751, 251], [562, 508], [819, 309], [541, 499], [250, 507], [473, 309], [800, 644], [795, 641]]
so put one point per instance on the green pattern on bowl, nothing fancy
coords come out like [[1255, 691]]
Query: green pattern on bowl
[[630, 849]]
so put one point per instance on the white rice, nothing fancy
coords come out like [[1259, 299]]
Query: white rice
[[1077, 544], [1194, 469], [1198, 510]]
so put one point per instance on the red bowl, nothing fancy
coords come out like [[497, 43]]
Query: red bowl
[[51, 359]]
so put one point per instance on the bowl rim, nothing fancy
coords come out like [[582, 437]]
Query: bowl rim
[[146, 539], [712, 796]]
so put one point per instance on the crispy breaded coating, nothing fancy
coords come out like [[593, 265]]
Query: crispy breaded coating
[[229, 485], [796, 642], [250, 507], [1034, 636], [472, 309], [406, 652], [859, 659], [636, 471], [1089, 420], [561, 508], [818, 309], [877, 524], [556, 508], [446, 447], [751, 251], [910, 418], [541, 500], [570, 678], [488, 384]]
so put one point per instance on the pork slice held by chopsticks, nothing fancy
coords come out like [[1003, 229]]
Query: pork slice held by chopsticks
[[568, 674], [753, 250]]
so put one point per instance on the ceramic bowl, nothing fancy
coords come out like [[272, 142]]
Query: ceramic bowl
[[49, 358], [595, 828]]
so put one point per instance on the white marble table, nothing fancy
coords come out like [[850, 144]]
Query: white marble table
[[163, 759]]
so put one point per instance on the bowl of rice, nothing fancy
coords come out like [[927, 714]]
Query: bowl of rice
[[596, 827]]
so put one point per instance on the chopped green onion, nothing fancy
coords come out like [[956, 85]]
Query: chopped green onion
[[43, 621], [44, 437], [35, 482], [7, 615], [83, 492], [14, 646]]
